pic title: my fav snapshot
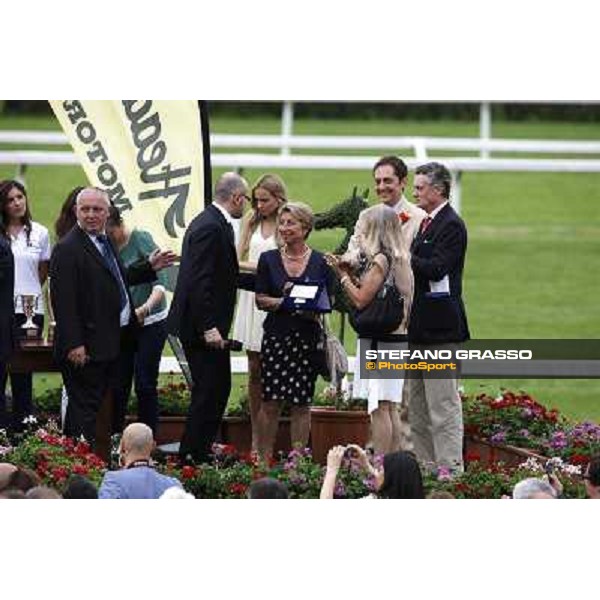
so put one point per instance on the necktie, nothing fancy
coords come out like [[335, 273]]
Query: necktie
[[111, 263], [425, 223]]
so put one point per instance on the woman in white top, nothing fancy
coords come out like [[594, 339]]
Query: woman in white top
[[257, 236], [383, 252], [30, 244]]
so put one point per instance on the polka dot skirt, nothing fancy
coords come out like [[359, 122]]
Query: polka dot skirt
[[287, 373]]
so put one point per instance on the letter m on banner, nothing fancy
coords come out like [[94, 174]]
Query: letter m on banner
[[151, 156]]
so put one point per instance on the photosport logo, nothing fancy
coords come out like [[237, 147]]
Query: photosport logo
[[482, 359]]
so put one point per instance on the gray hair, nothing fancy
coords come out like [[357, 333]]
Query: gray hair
[[528, 488], [96, 190], [228, 184], [437, 175]]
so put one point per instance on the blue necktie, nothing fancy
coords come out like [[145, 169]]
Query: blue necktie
[[111, 263]]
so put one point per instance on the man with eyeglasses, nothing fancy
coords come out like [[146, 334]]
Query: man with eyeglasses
[[202, 311]]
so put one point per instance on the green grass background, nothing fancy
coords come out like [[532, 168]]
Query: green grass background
[[533, 260]]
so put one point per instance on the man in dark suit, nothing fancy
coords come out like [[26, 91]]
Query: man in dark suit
[[93, 310], [437, 318], [7, 313], [202, 311]]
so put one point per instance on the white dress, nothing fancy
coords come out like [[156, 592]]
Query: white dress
[[374, 390], [248, 325]]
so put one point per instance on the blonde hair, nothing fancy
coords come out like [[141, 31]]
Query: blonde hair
[[380, 232], [274, 185], [300, 211]]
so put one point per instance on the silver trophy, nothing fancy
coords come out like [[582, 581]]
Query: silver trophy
[[29, 302]]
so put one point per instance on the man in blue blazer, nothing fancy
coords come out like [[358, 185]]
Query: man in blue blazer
[[137, 480], [7, 313], [437, 318]]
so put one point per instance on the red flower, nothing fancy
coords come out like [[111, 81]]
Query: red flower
[[228, 449], [579, 459], [238, 488], [188, 472], [403, 216], [80, 469], [473, 457], [59, 473]]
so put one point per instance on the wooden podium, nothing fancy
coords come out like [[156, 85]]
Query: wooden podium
[[36, 356]]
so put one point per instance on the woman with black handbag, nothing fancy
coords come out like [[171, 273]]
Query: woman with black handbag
[[380, 291]]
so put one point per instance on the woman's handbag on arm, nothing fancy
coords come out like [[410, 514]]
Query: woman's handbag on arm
[[382, 316]]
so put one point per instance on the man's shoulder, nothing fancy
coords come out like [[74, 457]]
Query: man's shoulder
[[414, 211]]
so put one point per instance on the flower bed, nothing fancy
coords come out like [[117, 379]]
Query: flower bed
[[53, 456], [231, 474], [494, 481], [516, 419]]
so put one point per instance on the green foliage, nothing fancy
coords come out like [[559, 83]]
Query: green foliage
[[534, 238]]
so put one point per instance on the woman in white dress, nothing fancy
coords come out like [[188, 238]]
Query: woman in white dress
[[383, 252], [257, 236], [30, 244]]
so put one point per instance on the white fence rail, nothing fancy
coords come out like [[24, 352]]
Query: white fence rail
[[285, 143]]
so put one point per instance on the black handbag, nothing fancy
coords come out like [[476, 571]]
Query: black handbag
[[382, 316]]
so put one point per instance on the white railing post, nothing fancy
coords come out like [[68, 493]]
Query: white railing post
[[456, 191], [287, 126], [485, 127]]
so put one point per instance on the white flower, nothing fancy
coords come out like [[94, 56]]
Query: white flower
[[30, 419]]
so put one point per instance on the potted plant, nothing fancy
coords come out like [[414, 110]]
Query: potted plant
[[508, 428], [336, 418]]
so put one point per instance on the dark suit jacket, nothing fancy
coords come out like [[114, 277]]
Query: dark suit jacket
[[7, 286], [206, 285], [85, 298], [438, 252]]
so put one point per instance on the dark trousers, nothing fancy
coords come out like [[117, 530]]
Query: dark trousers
[[211, 375], [140, 365], [21, 385], [86, 387]]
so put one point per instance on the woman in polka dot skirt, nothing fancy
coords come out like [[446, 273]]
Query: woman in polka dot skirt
[[290, 337]]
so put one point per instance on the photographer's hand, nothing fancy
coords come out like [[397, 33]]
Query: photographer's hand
[[334, 461]]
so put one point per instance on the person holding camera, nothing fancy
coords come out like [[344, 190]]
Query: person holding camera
[[399, 478]]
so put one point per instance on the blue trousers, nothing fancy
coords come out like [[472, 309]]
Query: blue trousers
[[140, 366]]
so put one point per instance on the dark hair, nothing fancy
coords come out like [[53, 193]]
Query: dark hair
[[438, 176], [5, 188], [267, 489], [80, 488], [114, 217], [22, 479], [401, 477], [594, 470], [66, 218], [399, 166]]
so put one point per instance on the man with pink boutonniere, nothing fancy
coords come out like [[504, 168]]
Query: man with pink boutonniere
[[390, 175]]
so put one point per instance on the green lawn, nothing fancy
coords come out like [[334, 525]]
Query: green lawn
[[534, 239]]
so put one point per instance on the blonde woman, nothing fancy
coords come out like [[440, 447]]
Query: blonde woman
[[258, 235], [290, 336], [382, 254]]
